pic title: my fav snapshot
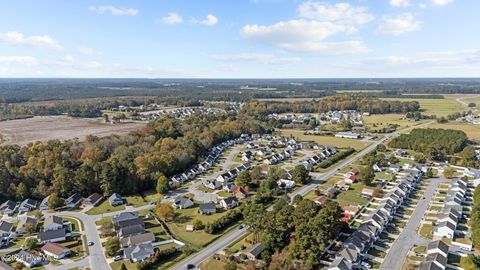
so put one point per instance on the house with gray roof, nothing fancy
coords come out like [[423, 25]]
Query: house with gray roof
[[182, 203], [207, 208], [44, 204], [8, 207], [73, 201], [27, 205], [254, 251], [340, 263], [138, 253], [144, 238], [115, 199], [23, 223], [53, 236]]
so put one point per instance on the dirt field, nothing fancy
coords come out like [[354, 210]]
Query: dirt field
[[46, 128]]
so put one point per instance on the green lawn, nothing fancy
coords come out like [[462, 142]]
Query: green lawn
[[377, 253], [128, 264], [426, 231], [75, 223], [103, 221], [135, 200], [197, 239], [325, 140], [438, 107], [376, 121], [103, 208], [153, 226], [152, 196], [352, 196], [237, 246]]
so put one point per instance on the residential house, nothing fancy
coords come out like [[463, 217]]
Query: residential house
[[115, 199], [445, 229], [53, 236], [367, 193], [138, 239], [27, 258], [93, 200], [52, 223], [229, 187], [73, 201], [254, 251], [44, 204], [27, 205], [182, 203], [8, 207], [376, 168], [340, 263], [138, 253], [5, 232], [55, 251], [287, 184], [229, 202], [320, 200], [24, 222], [212, 184], [241, 193], [207, 208], [224, 177]]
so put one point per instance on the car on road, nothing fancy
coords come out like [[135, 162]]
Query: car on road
[[90, 243], [190, 266], [366, 265], [240, 227], [118, 258]]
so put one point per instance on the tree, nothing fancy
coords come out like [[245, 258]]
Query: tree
[[449, 172], [54, 201], [22, 192], [472, 104], [31, 243], [381, 148], [300, 175], [243, 179], [162, 185], [29, 228], [112, 246], [420, 158], [367, 175], [123, 267], [164, 211], [468, 156], [198, 224], [297, 199], [378, 192], [230, 265], [282, 261]]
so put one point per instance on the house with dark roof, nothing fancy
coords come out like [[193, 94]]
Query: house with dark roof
[[27, 258], [115, 199], [55, 251], [8, 207], [138, 253], [5, 229], [340, 263], [130, 230], [182, 203], [27, 205], [119, 219], [207, 208], [93, 200], [429, 265], [53, 236], [143, 238], [254, 251], [73, 201], [24, 222], [438, 246], [229, 202]]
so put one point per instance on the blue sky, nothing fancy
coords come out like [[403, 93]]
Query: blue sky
[[240, 39]]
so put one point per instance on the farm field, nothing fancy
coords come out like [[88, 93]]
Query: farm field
[[382, 120], [45, 128], [326, 140], [438, 107], [287, 99]]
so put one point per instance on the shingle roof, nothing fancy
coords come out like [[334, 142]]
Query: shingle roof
[[54, 248], [54, 234]]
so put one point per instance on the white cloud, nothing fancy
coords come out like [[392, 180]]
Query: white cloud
[[17, 38], [228, 67], [115, 11], [256, 57], [441, 2], [172, 18], [209, 20], [342, 12], [92, 65], [27, 61], [305, 36], [400, 3], [85, 50], [398, 25]]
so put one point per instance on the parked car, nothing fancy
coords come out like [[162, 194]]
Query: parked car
[[90, 243], [366, 265], [190, 266], [117, 258]]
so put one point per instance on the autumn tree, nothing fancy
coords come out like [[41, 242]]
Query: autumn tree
[[162, 185], [164, 211], [243, 179], [54, 201]]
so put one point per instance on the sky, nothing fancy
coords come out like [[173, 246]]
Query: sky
[[239, 38]]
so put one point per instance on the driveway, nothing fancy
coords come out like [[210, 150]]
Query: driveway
[[409, 237]]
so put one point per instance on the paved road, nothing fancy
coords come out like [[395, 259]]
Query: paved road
[[409, 237]]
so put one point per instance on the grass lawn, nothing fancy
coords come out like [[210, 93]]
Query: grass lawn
[[103, 221], [377, 253], [153, 226], [197, 239], [237, 246], [135, 200], [75, 223], [212, 264], [223, 193], [420, 249], [130, 265], [325, 140], [204, 188], [463, 240], [103, 208], [310, 195], [426, 231], [352, 196], [151, 196], [438, 107]]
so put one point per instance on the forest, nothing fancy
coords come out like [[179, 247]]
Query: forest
[[436, 144], [125, 165]]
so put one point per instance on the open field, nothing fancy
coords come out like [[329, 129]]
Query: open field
[[45, 128], [325, 140], [287, 99], [438, 107], [382, 120]]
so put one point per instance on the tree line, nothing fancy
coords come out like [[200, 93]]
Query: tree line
[[126, 164]]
